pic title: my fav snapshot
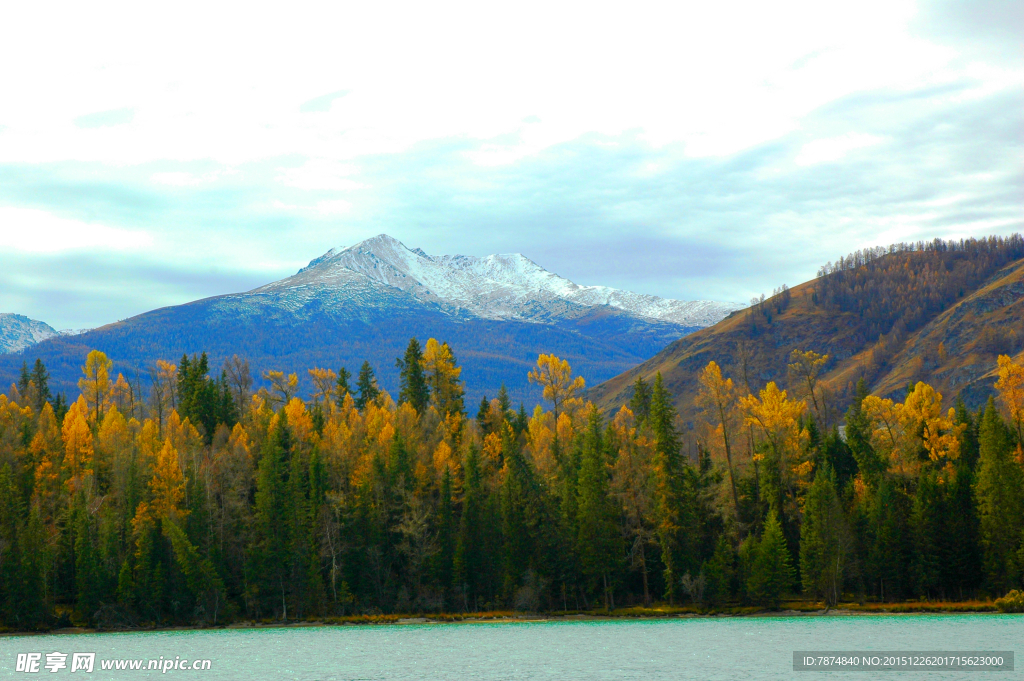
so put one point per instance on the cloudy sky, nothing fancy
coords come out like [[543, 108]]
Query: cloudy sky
[[151, 156]]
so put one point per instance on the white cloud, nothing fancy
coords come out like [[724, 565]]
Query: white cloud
[[718, 78], [319, 173], [336, 207], [835, 148], [177, 179], [477, 128], [36, 231]]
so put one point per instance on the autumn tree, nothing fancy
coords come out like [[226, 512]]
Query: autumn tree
[[324, 384], [777, 418], [95, 383], [901, 431], [282, 388], [717, 398], [78, 445], [1011, 391], [240, 379], [443, 374], [805, 368], [167, 484], [560, 388], [633, 486], [163, 390]]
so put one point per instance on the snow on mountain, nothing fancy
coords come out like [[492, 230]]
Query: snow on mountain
[[18, 332], [498, 287]]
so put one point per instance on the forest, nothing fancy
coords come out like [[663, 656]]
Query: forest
[[205, 502]]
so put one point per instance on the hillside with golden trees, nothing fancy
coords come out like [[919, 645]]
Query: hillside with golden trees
[[203, 503], [939, 312]]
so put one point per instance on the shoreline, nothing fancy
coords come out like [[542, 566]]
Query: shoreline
[[644, 614]]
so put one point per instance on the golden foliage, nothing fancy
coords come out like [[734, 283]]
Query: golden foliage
[[168, 483], [1011, 391], [78, 446], [777, 418], [445, 458], [804, 368], [442, 376], [902, 431], [114, 445], [540, 439], [323, 383], [47, 451], [300, 422], [95, 384], [560, 388], [282, 388]]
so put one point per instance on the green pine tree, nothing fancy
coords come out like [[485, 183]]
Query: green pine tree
[[413, 383], [928, 526], [640, 402], [719, 572], [366, 385], [772, 572], [269, 552], [825, 544], [341, 387], [858, 438], [598, 543], [446, 536], [41, 380], [505, 404], [672, 525], [470, 563], [1000, 493]]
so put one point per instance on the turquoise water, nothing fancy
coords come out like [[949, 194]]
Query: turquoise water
[[697, 648]]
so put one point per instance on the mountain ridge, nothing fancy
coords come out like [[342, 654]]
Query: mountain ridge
[[365, 301], [954, 348], [18, 332]]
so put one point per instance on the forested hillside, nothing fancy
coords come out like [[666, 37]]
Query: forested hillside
[[492, 352], [939, 312], [206, 503]]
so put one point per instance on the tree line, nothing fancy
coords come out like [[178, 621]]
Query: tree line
[[209, 502], [897, 289]]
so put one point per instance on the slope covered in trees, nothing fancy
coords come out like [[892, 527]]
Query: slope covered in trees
[[939, 312], [600, 344], [203, 502]]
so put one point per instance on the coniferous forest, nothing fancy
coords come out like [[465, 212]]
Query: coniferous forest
[[203, 502]]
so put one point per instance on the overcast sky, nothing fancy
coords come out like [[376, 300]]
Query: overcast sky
[[155, 153]]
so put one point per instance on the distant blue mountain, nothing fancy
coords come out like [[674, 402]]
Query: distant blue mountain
[[365, 302]]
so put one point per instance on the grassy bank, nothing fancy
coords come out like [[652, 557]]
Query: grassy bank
[[788, 608]]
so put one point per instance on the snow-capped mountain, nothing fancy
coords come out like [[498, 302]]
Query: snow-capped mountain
[[18, 332], [498, 287], [364, 303]]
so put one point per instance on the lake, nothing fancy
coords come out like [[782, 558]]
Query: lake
[[692, 648]]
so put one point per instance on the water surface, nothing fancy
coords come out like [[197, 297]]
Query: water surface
[[695, 648]]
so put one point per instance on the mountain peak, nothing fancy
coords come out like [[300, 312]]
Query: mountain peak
[[381, 242], [506, 286], [18, 332]]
